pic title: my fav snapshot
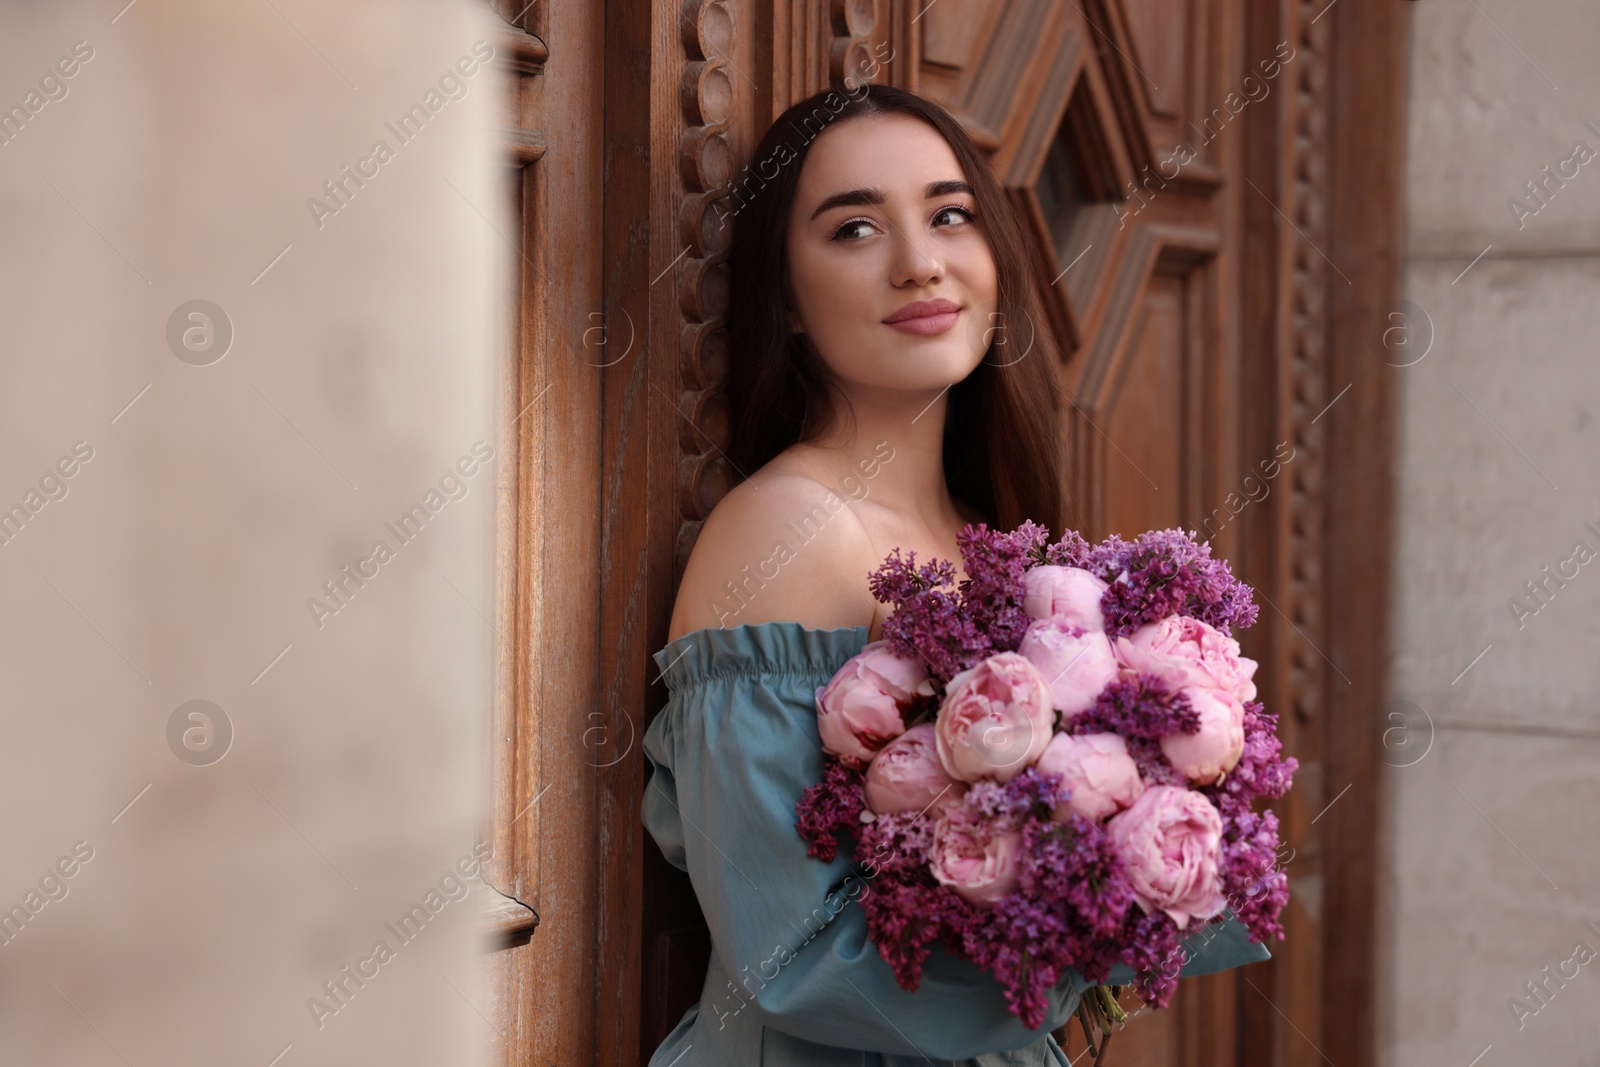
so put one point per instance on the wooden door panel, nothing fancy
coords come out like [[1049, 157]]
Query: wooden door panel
[[952, 35], [1152, 373], [1175, 59], [1151, 1039], [1142, 466], [1196, 43], [1000, 69], [1160, 31]]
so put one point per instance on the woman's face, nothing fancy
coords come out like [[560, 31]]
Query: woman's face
[[907, 233]]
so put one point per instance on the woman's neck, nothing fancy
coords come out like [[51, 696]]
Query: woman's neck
[[911, 480]]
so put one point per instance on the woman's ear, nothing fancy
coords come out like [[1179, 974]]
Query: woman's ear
[[794, 321]]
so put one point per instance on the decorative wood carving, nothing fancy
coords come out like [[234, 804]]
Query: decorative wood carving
[[850, 54], [706, 168], [1308, 329], [524, 55]]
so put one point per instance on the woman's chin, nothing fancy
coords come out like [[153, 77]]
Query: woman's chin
[[917, 367], [944, 364]]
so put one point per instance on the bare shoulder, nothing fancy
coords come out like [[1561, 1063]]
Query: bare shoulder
[[784, 548]]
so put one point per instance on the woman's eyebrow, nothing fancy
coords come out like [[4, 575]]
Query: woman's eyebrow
[[874, 195]]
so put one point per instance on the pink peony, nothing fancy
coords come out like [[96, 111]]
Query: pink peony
[[860, 709], [1076, 663], [1097, 769], [1185, 651], [1170, 840], [1069, 591], [975, 858], [995, 720], [907, 776], [1205, 757]]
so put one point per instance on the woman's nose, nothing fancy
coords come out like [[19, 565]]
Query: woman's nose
[[915, 260]]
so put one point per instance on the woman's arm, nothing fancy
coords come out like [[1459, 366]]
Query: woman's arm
[[785, 925]]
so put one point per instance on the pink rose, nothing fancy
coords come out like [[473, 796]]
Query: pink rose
[[1205, 757], [1098, 771], [1185, 651], [907, 776], [1170, 839], [995, 720], [974, 857], [1069, 591], [1076, 663], [860, 709]]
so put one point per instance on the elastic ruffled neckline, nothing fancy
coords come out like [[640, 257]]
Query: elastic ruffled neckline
[[757, 648]]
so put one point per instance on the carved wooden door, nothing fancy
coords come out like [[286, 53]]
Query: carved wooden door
[[1192, 171]]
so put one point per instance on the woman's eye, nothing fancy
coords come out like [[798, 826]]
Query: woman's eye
[[842, 232], [847, 230]]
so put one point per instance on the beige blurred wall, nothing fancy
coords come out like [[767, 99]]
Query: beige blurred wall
[[1492, 859], [186, 897]]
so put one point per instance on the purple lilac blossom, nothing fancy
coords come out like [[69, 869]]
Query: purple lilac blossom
[[1256, 888], [1167, 572], [1152, 945], [1143, 710], [829, 808], [992, 592], [1259, 772], [1071, 551], [905, 920], [1073, 896], [1031, 793], [928, 620], [897, 846], [1140, 705]]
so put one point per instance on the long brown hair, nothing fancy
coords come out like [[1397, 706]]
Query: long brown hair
[[1002, 438]]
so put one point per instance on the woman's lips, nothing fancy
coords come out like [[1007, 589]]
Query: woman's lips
[[926, 325]]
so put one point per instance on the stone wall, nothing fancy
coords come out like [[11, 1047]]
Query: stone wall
[[1491, 856]]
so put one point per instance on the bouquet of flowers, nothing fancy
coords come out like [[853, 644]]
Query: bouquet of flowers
[[1054, 765]]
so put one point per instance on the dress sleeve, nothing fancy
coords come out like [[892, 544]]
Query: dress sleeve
[[730, 757]]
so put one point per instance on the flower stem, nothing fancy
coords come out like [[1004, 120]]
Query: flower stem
[[1108, 1004], [1083, 1020]]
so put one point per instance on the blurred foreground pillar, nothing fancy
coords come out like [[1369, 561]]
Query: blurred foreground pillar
[[248, 462]]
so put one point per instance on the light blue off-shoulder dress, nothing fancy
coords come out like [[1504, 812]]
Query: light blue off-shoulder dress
[[794, 978]]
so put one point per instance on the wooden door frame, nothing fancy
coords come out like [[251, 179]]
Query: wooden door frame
[[628, 446], [1321, 275]]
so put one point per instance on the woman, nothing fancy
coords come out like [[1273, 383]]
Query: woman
[[886, 388]]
